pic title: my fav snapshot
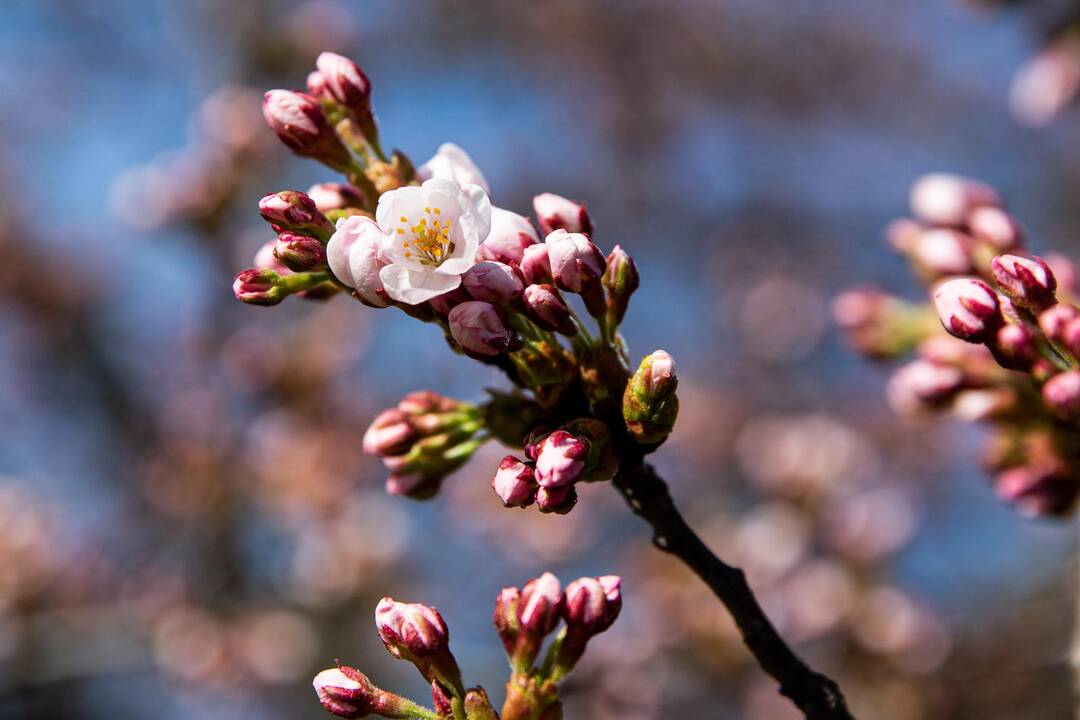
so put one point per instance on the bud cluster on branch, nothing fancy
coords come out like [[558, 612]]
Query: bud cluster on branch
[[1018, 365], [428, 241], [524, 618]]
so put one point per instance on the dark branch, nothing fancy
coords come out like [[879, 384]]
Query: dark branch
[[817, 696]]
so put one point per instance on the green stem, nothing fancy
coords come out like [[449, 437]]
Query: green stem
[[298, 282]]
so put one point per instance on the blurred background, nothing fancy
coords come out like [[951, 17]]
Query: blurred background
[[188, 528]]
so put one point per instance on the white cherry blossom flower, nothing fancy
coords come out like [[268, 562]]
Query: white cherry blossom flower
[[430, 237]]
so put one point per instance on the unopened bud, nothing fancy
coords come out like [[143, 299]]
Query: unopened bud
[[1062, 394], [510, 235], [558, 213], [441, 700], [540, 606], [968, 308], [443, 304], [417, 633], [316, 86], [391, 433], [536, 264], [650, 402], [1046, 489], [1055, 319], [545, 308], [561, 459], [345, 692], [300, 252], [560, 500], [258, 287], [944, 199], [514, 483], [592, 604], [940, 252], [300, 124], [1016, 346], [1069, 337], [995, 226], [621, 279], [335, 196], [923, 385], [1027, 281], [296, 211], [493, 282], [575, 261], [415, 486], [506, 618], [345, 82], [480, 328]]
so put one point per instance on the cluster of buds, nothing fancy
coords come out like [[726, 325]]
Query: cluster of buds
[[556, 460], [525, 617], [428, 241], [418, 634], [422, 440], [1013, 358]]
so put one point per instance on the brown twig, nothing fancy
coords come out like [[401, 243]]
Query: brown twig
[[817, 696]]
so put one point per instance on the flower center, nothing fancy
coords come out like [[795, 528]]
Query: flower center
[[428, 240]]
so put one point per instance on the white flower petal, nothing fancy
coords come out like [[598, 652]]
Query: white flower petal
[[414, 287], [453, 163]]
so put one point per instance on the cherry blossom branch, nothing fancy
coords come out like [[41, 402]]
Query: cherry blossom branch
[[816, 695]]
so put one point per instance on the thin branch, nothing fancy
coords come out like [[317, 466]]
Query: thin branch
[[817, 696]]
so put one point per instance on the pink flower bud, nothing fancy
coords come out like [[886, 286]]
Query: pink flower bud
[[298, 120], [534, 440], [411, 631], [427, 401], [995, 226], [1069, 337], [1016, 346], [345, 82], [1054, 320], [545, 308], [479, 328], [514, 483], [1046, 83], [559, 500], [968, 308], [540, 606], [1027, 281], [557, 213], [335, 196], [575, 260], [922, 385], [510, 235], [294, 210], [944, 199], [493, 282], [1046, 489], [257, 287], [941, 251], [561, 460], [592, 604], [506, 617], [345, 692], [415, 486], [1062, 394], [441, 700], [391, 433], [299, 252], [536, 265], [621, 280]]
